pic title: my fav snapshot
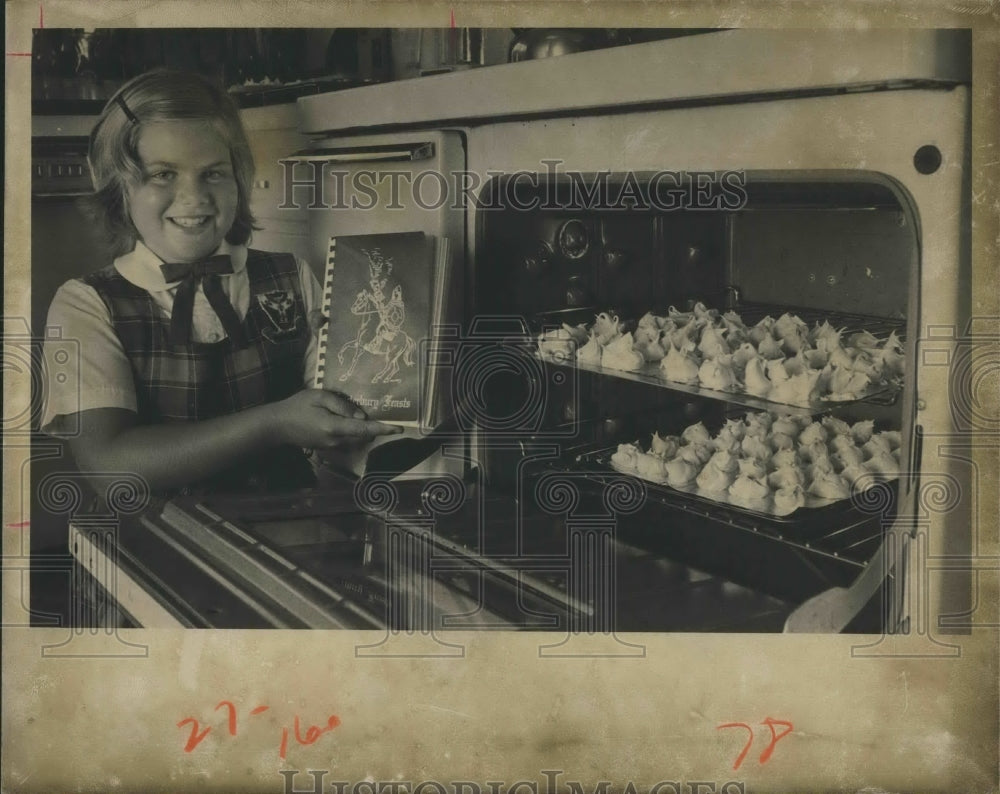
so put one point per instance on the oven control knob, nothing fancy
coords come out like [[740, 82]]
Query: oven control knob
[[574, 241]]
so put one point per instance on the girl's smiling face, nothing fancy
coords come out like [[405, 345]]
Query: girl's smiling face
[[185, 203]]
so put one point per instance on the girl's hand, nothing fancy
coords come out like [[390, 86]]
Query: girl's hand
[[317, 419]]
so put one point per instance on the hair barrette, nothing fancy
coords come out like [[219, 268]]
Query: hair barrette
[[125, 109]]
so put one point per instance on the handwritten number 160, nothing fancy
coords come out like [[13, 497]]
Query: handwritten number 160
[[765, 756]]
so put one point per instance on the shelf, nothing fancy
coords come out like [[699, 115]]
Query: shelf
[[649, 375]]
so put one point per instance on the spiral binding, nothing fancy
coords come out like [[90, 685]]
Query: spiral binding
[[324, 330]]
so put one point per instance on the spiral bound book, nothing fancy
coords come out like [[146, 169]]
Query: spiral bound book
[[383, 294]]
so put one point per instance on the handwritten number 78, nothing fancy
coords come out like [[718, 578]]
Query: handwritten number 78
[[765, 756]]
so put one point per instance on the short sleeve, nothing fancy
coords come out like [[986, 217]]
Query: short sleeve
[[85, 366], [312, 297]]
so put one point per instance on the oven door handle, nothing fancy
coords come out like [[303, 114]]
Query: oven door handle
[[407, 152]]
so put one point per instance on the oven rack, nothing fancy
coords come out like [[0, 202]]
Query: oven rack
[[883, 395], [881, 327], [756, 553], [753, 312]]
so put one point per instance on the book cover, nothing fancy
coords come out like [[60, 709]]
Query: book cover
[[382, 295]]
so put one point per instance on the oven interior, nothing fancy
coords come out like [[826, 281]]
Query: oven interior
[[833, 246]]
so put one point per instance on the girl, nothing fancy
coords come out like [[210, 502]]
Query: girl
[[194, 348]]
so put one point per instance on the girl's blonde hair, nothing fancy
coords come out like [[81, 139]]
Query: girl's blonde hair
[[161, 95]]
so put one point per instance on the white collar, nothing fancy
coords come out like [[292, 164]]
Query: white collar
[[142, 267]]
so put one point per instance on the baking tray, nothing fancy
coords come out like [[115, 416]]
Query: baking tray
[[752, 313], [817, 518]]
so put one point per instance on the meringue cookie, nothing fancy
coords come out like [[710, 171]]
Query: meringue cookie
[[680, 472], [696, 432], [839, 355], [651, 351], [743, 355], [816, 359], [696, 453], [862, 431], [702, 312], [647, 328], [626, 457], [863, 340], [666, 447], [755, 378], [607, 327], [839, 443], [713, 479], [830, 486], [727, 444], [780, 441], [590, 353], [748, 490], [650, 467], [894, 437], [789, 324], [620, 355], [876, 445], [798, 389], [770, 348], [724, 461], [761, 419], [814, 432], [796, 365], [811, 452], [883, 464], [788, 500], [755, 448], [785, 425], [892, 358], [762, 330], [847, 457], [819, 468], [785, 477], [717, 375], [683, 336], [836, 427], [678, 317], [847, 384], [784, 457], [736, 331], [865, 363], [824, 331], [751, 467], [712, 344], [735, 427], [678, 367]]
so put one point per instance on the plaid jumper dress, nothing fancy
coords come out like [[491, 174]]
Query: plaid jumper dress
[[202, 380]]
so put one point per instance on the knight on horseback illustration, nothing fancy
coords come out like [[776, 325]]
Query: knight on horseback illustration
[[389, 339]]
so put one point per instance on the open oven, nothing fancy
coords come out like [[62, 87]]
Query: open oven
[[702, 173]]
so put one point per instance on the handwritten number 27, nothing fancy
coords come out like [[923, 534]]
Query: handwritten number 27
[[765, 756]]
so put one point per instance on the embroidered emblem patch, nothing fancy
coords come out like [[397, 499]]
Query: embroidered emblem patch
[[278, 308]]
